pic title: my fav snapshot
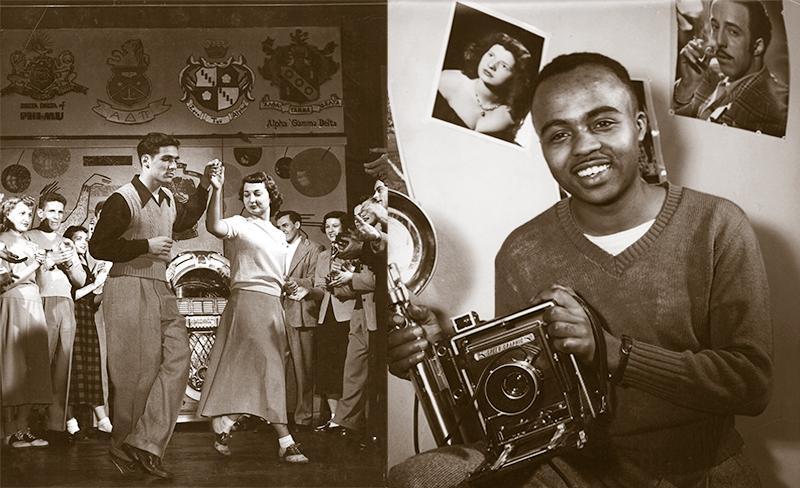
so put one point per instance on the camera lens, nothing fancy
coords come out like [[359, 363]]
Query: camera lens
[[512, 387], [516, 385]]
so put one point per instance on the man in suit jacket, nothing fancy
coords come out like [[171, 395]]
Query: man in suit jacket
[[351, 408], [738, 90], [301, 306]]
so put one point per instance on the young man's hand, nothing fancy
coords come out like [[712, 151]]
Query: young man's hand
[[567, 323], [160, 246], [407, 344]]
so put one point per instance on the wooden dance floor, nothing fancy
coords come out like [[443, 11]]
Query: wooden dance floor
[[335, 461]]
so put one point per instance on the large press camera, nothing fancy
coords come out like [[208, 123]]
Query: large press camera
[[501, 382]]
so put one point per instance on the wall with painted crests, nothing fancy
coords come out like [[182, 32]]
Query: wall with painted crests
[[254, 86], [476, 190]]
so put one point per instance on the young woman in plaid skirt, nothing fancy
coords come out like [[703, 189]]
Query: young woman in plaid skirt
[[86, 381]]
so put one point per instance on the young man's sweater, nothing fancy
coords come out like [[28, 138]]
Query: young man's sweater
[[693, 295]]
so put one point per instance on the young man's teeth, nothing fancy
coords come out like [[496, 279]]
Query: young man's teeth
[[592, 170]]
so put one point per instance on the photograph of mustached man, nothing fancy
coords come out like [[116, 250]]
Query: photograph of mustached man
[[732, 64]]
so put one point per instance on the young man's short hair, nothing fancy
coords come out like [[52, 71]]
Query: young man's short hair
[[293, 216], [568, 62], [52, 197], [153, 142]]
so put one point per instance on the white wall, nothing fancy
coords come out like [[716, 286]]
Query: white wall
[[476, 190]]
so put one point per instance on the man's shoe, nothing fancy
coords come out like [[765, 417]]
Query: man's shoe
[[328, 427], [79, 436], [147, 461], [124, 466], [221, 441], [292, 454]]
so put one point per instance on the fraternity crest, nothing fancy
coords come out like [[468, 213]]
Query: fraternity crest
[[37, 74], [129, 87], [298, 70], [217, 91]]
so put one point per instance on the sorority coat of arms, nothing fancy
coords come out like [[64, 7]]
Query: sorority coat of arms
[[216, 90], [129, 87], [298, 70], [37, 74]]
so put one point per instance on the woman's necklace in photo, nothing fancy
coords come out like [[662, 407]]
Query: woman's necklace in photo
[[484, 108]]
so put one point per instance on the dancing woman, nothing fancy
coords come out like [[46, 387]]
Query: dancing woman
[[247, 367]]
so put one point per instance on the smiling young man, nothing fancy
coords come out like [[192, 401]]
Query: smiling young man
[[738, 90], [55, 279], [148, 345], [676, 274]]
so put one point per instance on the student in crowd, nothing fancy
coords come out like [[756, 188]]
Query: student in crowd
[[60, 272], [25, 371], [336, 309], [301, 307], [86, 384]]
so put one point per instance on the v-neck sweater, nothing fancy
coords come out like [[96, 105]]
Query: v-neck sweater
[[691, 292]]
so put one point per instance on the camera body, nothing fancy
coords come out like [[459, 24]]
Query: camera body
[[513, 391]]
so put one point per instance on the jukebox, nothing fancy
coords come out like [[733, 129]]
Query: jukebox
[[200, 280]]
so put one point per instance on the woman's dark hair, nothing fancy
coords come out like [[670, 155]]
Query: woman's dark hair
[[336, 214], [275, 196], [73, 229], [515, 92]]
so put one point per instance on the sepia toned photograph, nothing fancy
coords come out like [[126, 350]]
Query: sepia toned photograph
[[732, 65], [192, 252], [636, 329], [484, 83]]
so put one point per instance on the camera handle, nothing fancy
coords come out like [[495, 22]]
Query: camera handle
[[584, 390], [600, 362], [427, 376]]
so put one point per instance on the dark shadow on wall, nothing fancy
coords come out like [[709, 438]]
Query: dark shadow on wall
[[779, 425], [772, 437]]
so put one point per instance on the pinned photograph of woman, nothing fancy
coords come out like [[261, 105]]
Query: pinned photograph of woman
[[484, 83]]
